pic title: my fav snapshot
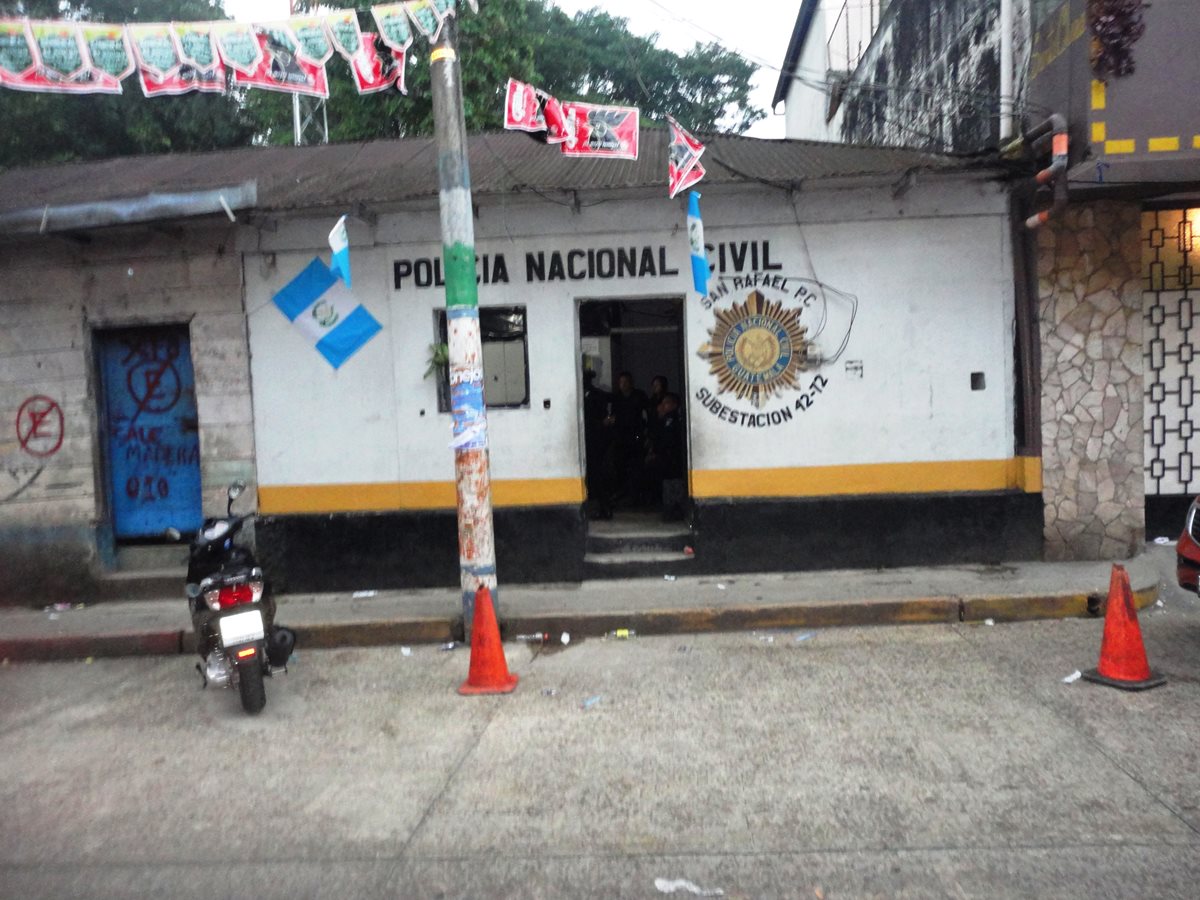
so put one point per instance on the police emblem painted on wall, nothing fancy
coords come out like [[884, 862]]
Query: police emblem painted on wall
[[767, 347]]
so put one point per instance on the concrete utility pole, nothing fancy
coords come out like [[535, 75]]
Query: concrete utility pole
[[473, 481]]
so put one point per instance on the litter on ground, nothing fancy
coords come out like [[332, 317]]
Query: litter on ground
[[670, 886], [1073, 677]]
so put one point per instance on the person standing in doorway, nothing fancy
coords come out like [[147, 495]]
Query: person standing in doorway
[[627, 420], [597, 404]]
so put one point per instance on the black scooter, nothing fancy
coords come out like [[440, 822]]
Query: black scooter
[[233, 610]]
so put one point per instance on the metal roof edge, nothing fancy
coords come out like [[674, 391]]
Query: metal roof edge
[[152, 207]]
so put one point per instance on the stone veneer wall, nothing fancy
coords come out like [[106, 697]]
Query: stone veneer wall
[[1090, 302]]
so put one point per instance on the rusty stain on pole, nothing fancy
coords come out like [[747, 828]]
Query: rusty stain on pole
[[476, 541]]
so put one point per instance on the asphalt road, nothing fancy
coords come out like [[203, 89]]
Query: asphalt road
[[919, 761]]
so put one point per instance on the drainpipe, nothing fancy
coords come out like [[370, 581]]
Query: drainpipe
[[1006, 71], [1053, 131]]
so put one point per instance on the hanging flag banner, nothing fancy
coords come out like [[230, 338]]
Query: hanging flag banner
[[528, 109], [394, 26], [695, 227], [326, 313], [313, 39], [283, 66], [395, 31], [198, 53], [60, 62], [344, 32], [339, 243], [110, 53], [374, 72], [427, 17], [593, 130], [160, 64], [238, 46], [181, 57], [17, 62], [683, 159]]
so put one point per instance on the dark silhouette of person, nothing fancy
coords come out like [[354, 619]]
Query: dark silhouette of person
[[658, 389], [627, 420], [665, 455], [597, 441]]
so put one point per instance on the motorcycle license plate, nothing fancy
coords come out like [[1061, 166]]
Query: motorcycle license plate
[[242, 628]]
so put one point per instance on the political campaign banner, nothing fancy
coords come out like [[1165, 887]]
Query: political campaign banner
[[427, 17], [683, 159], [17, 59], [395, 26], [283, 66], [161, 66], [528, 109], [312, 37], [198, 49], [238, 46], [593, 130], [110, 53]]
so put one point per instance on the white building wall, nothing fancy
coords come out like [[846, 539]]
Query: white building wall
[[806, 105], [931, 270]]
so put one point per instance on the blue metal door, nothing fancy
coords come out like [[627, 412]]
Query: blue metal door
[[153, 430]]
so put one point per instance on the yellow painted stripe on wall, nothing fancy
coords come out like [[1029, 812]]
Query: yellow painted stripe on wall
[[1020, 473], [1098, 131], [1120, 146], [1098, 94], [1196, 142], [276, 500], [1163, 144]]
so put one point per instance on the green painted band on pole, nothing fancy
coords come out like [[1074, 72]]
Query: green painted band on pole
[[461, 289]]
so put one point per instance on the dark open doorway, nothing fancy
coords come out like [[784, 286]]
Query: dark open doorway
[[635, 442]]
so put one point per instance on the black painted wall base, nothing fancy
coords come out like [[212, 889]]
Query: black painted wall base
[[353, 551], [1165, 514], [867, 532]]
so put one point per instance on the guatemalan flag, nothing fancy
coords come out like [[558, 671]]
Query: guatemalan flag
[[327, 313], [696, 238], [339, 243]]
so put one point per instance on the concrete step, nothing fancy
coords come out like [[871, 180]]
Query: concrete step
[[647, 564], [143, 584], [639, 542]]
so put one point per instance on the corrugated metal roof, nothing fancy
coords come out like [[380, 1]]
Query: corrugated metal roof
[[382, 172]]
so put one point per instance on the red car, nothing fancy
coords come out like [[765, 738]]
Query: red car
[[1187, 551]]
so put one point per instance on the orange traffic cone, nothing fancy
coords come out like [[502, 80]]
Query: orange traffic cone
[[1123, 662], [489, 670]]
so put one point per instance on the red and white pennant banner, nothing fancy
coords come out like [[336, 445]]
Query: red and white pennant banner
[[580, 129]]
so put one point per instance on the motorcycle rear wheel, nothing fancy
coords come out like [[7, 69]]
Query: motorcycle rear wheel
[[251, 687]]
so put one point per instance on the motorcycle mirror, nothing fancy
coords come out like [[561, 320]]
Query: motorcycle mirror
[[172, 534], [236, 489], [192, 590]]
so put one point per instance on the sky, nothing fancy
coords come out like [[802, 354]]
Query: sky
[[759, 30]]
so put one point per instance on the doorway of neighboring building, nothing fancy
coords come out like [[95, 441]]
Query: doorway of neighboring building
[[635, 433], [151, 429]]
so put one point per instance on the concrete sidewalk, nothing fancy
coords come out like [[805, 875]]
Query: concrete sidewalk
[[1009, 592]]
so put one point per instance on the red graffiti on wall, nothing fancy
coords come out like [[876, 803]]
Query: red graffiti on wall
[[40, 426]]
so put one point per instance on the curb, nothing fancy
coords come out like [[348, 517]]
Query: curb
[[814, 614]]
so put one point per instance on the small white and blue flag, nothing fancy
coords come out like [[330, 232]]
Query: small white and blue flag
[[339, 243], [327, 313], [695, 229]]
